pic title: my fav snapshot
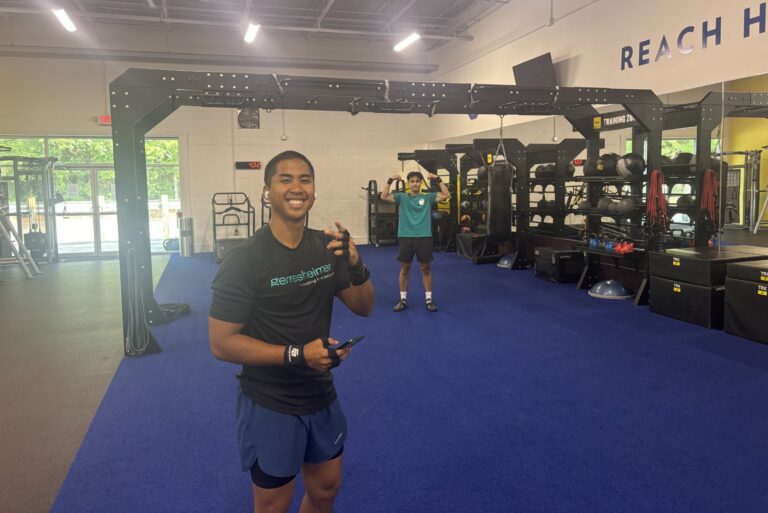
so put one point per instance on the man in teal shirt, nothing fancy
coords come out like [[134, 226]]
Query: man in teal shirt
[[414, 231]]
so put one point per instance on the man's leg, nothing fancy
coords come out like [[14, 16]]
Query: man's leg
[[426, 276], [273, 500], [322, 482], [402, 303], [404, 270]]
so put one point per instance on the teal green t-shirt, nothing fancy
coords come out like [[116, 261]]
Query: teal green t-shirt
[[415, 214]]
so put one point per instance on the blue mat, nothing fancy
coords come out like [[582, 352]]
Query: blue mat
[[517, 396]]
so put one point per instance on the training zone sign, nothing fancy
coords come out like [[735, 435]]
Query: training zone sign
[[708, 33]]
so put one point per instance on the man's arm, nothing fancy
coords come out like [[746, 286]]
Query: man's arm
[[359, 296], [385, 194], [229, 345], [444, 193]]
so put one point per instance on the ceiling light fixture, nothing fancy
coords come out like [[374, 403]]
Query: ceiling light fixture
[[407, 41], [250, 34], [63, 18]]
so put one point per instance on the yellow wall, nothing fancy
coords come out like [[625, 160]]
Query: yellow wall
[[749, 133]]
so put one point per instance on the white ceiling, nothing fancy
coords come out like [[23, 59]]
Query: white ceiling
[[340, 34]]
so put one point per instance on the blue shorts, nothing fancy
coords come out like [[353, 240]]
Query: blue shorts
[[283, 443]]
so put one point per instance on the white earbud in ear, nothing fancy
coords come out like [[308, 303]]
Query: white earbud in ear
[[266, 194]]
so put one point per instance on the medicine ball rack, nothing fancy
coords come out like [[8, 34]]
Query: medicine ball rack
[[560, 156]]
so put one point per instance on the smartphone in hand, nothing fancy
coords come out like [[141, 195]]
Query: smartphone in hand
[[349, 343]]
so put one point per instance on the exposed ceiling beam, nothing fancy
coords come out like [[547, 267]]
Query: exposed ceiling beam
[[83, 11], [217, 60], [325, 11], [397, 16], [184, 21]]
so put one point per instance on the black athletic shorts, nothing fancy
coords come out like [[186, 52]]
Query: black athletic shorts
[[421, 246]]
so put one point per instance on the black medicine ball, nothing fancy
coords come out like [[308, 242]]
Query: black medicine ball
[[631, 164]]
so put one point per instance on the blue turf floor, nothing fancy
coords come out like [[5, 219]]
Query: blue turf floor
[[517, 396]]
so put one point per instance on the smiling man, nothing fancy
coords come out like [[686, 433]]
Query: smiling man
[[271, 312]]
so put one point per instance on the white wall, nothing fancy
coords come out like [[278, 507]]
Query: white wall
[[63, 97], [586, 39]]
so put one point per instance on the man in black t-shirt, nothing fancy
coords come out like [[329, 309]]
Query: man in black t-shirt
[[271, 312]]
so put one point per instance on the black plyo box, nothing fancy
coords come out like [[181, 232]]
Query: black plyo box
[[746, 300], [687, 302], [558, 265], [698, 266], [756, 271]]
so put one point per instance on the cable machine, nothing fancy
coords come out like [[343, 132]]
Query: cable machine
[[26, 193]]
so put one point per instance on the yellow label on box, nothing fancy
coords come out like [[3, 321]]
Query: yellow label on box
[[763, 276], [676, 288], [489, 158], [762, 292], [597, 123], [675, 264]]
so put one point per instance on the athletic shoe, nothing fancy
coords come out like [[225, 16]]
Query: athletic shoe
[[431, 306], [401, 305]]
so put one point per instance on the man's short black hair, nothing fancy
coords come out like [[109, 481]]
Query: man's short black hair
[[271, 168], [413, 173]]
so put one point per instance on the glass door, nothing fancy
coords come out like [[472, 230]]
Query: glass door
[[75, 215], [107, 210]]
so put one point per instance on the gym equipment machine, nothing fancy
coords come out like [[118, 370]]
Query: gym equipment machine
[[742, 186], [381, 215], [26, 190], [233, 221], [10, 237]]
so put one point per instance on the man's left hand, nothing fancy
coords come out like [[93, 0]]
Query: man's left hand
[[341, 242]]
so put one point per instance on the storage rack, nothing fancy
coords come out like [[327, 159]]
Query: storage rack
[[561, 155], [630, 268]]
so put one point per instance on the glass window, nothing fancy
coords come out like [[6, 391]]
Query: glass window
[[80, 150]]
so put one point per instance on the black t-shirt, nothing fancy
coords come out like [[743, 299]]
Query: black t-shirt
[[282, 296]]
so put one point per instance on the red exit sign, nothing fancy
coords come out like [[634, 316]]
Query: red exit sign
[[104, 119]]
